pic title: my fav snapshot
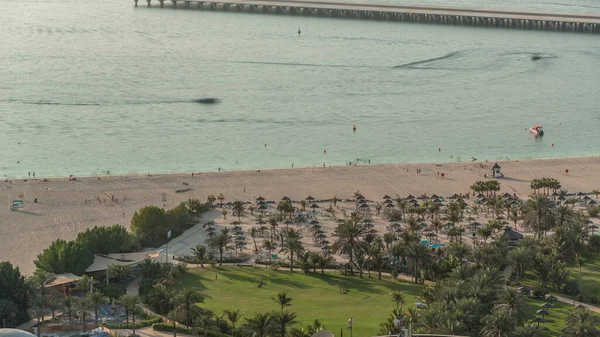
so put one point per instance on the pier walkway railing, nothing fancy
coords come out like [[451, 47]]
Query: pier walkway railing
[[534, 20]]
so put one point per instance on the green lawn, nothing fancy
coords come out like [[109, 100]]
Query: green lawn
[[555, 321], [314, 295], [590, 275]]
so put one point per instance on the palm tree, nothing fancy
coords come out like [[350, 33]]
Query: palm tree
[[580, 262], [40, 281], [221, 198], [259, 325], [528, 330], [513, 301], [83, 305], [398, 297], [95, 299], [174, 316], [324, 260], [270, 246], [185, 301], [8, 308], [536, 210], [84, 284], [582, 322], [211, 200], [349, 234], [520, 259], [233, 316], [205, 324], [292, 245], [69, 305], [201, 254], [283, 320], [224, 213], [238, 208], [131, 303], [596, 192], [419, 254], [120, 272], [254, 233], [499, 323], [222, 242], [283, 300]]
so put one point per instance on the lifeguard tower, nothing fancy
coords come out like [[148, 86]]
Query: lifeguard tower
[[496, 171]]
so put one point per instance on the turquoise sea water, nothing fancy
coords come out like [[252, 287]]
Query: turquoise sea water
[[93, 86]]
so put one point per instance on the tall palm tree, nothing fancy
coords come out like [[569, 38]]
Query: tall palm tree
[[174, 316], [120, 273], [131, 303], [582, 322], [40, 281], [536, 210], [580, 262], [221, 198], [283, 320], [201, 254], [274, 223], [84, 284], [95, 299], [520, 259], [270, 246], [238, 208], [259, 325], [398, 297], [205, 324], [419, 254], [254, 233], [291, 245], [82, 305], [324, 261], [499, 323], [233, 316], [349, 234], [222, 242], [283, 300], [185, 301], [69, 305]]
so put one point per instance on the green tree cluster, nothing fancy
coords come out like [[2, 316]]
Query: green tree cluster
[[13, 296], [65, 257], [108, 240], [545, 185]]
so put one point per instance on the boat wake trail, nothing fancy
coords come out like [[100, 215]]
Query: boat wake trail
[[301, 64], [422, 62], [100, 103]]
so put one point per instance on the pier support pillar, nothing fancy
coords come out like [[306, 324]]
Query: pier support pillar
[[135, 1], [148, 1], [174, 3], [162, 3]]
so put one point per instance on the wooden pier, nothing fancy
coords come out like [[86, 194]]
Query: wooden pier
[[532, 20]]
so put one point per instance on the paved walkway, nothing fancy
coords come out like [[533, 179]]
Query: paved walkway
[[575, 303], [148, 332]]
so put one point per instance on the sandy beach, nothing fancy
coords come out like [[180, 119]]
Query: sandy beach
[[66, 208]]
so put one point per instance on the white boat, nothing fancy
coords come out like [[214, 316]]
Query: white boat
[[536, 130]]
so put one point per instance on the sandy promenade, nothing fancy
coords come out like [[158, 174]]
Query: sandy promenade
[[68, 207]]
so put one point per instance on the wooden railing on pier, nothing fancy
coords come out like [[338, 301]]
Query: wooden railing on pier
[[572, 22]]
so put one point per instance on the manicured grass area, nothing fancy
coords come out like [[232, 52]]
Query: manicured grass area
[[555, 321], [314, 295], [590, 274]]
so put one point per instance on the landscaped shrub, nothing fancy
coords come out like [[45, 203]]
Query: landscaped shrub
[[138, 324], [168, 327], [571, 288]]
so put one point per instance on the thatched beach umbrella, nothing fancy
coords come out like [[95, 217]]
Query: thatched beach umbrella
[[321, 237], [313, 222], [288, 222], [324, 243], [387, 197], [285, 198], [593, 227], [538, 320], [547, 305], [410, 196], [551, 298], [211, 234], [372, 231], [388, 202], [542, 312], [360, 197], [314, 206], [237, 228], [260, 199], [310, 198], [315, 227], [389, 206], [369, 225], [363, 206], [262, 207], [209, 229]]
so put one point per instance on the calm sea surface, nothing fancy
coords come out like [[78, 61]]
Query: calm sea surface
[[93, 86]]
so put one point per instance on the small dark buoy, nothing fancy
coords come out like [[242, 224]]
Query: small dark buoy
[[299, 31], [354, 128], [535, 57]]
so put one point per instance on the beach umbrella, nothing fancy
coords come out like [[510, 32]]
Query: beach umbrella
[[542, 312], [410, 196], [263, 229], [470, 218], [538, 320], [507, 196], [361, 201], [369, 225], [389, 206], [593, 227], [372, 231], [360, 197], [315, 227], [321, 237], [314, 206], [546, 305], [237, 228], [285, 198], [262, 207], [592, 202], [480, 196], [324, 243], [387, 197], [474, 224], [288, 222], [260, 203], [434, 196], [580, 194], [310, 198], [313, 222], [551, 298], [260, 199], [423, 196], [364, 206], [454, 196], [211, 234], [430, 235]]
